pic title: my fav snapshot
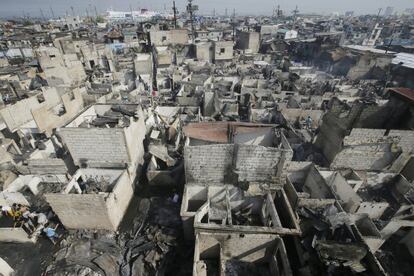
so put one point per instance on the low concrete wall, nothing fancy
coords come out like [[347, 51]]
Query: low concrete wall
[[81, 211], [5, 268], [14, 235]]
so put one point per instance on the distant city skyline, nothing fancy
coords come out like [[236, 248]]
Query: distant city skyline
[[254, 7]]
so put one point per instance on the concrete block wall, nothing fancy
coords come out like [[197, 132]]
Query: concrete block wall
[[134, 137], [204, 51], [350, 200], [217, 164], [253, 247], [210, 163], [335, 126], [81, 211], [228, 50], [208, 105], [94, 211], [143, 64], [256, 163], [118, 201], [330, 137], [96, 145], [375, 159], [20, 113], [268, 250], [363, 135], [316, 185], [373, 116], [371, 149], [406, 139]]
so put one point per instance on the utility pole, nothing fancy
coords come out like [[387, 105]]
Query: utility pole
[[379, 12], [175, 15], [233, 23], [225, 12], [295, 11], [73, 11], [130, 10], [96, 12], [391, 40], [190, 10], [377, 19]]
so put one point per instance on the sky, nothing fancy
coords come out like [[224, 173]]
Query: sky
[[243, 7]]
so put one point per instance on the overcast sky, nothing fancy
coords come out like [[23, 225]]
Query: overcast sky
[[32, 7]]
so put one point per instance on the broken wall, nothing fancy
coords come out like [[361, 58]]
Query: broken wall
[[105, 147], [223, 50], [370, 66], [249, 41], [143, 64], [176, 36], [94, 211], [219, 163], [119, 199], [205, 51], [20, 113], [341, 118], [316, 185], [250, 248], [344, 192], [366, 149], [47, 119]]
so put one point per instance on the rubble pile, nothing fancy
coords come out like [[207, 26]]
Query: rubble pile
[[146, 143], [144, 249]]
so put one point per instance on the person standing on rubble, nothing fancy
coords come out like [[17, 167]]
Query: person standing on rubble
[[308, 122], [51, 233], [26, 220], [41, 222], [16, 213]]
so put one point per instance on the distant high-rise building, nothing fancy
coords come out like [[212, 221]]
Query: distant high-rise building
[[409, 11], [349, 13], [389, 11]]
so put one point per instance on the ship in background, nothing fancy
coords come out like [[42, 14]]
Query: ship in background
[[135, 16]]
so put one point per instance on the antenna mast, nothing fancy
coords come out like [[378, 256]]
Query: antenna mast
[[175, 15]]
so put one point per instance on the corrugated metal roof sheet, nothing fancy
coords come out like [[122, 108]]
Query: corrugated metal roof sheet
[[27, 52], [12, 53], [407, 60], [361, 48], [404, 92]]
